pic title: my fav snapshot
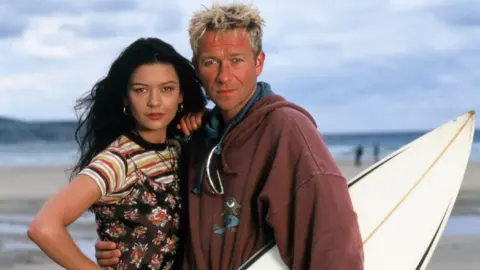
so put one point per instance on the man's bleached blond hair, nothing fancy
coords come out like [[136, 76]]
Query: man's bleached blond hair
[[221, 18]]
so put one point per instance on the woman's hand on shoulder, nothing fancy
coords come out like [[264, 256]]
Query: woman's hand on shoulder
[[191, 122]]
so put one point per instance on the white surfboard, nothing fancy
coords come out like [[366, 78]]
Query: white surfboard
[[404, 201]]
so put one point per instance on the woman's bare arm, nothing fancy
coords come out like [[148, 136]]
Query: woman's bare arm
[[49, 227]]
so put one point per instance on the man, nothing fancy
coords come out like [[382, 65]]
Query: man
[[258, 169]]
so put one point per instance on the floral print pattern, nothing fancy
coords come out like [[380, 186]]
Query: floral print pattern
[[144, 224]]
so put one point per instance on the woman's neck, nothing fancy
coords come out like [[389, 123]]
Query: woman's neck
[[153, 136]]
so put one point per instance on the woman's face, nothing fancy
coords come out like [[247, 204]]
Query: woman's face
[[154, 96]]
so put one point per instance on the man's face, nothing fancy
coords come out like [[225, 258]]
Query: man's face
[[228, 68]]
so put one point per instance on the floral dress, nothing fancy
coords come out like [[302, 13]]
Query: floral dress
[[144, 223]]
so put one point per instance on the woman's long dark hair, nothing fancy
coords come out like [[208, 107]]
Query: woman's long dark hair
[[102, 118]]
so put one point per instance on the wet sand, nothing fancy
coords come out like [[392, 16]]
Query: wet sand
[[25, 189]]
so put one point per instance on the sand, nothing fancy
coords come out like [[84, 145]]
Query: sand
[[25, 189]]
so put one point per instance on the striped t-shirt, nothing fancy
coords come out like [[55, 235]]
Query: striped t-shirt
[[115, 168]]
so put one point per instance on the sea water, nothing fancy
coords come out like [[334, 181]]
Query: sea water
[[65, 153]]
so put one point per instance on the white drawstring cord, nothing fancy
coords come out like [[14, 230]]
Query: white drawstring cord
[[210, 181]]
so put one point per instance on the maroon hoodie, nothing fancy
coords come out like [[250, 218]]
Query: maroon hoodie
[[280, 182]]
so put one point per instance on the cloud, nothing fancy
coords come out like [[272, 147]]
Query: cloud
[[17, 15], [356, 65], [55, 7], [396, 66], [401, 93], [460, 13], [10, 28], [65, 36]]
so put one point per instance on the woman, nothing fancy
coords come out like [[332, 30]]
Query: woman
[[127, 172]]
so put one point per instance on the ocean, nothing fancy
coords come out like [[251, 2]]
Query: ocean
[[52, 143]]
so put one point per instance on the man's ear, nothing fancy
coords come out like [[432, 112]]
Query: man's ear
[[194, 62], [260, 60]]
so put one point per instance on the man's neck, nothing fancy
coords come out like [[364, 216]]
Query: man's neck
[[229, 115]]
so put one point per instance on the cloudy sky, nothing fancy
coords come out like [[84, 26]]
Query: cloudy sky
[[355, 65]]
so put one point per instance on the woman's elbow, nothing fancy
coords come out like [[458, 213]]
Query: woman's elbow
[[38, 230]]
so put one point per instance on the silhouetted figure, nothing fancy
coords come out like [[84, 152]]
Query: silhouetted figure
[[358, 155], [376, 153]]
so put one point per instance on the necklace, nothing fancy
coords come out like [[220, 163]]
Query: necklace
[[169, 164], [163, 159]]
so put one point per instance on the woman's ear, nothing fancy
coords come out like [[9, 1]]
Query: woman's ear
[[180, 99]]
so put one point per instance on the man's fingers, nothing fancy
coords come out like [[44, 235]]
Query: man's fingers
[[111, 254], [106, 263], [103, 245]]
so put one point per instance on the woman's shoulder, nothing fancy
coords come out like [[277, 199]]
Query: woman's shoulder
[[120, 146], [176, 144]]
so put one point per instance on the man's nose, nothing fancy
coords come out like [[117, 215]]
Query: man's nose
[[225, 73]]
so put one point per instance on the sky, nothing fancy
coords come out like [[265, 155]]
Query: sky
[[370, 65]]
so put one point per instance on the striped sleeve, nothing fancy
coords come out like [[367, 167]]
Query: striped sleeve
[[109, 170]]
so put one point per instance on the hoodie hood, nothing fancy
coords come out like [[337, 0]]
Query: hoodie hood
[[214, 133], [254, 118]]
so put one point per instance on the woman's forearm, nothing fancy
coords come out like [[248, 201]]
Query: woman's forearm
[[57, 243]]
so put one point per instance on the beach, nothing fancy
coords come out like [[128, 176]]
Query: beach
[[25, 189]]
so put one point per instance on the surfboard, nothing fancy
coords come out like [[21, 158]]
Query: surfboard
[[403, 201]]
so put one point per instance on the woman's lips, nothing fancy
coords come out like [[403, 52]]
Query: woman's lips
[[155, 116]]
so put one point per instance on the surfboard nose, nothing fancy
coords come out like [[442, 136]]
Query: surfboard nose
[[467, 116], [472, 117]]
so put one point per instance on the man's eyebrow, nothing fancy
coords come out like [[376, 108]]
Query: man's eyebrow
[[236, 54], [211, 57], [208, 57]]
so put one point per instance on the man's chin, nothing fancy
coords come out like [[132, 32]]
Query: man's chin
[[225, 103]]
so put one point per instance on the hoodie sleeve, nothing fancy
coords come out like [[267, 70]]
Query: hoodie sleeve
[[310, 209]]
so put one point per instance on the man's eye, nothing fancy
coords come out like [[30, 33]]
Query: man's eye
[[236, 60], [208, 62]]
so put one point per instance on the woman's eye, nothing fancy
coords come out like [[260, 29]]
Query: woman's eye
[[140, 90], [167, 88]]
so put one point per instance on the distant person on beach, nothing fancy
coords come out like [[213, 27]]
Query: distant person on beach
[[358, 155], [376, 153], [259, 172], [128, 173]]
